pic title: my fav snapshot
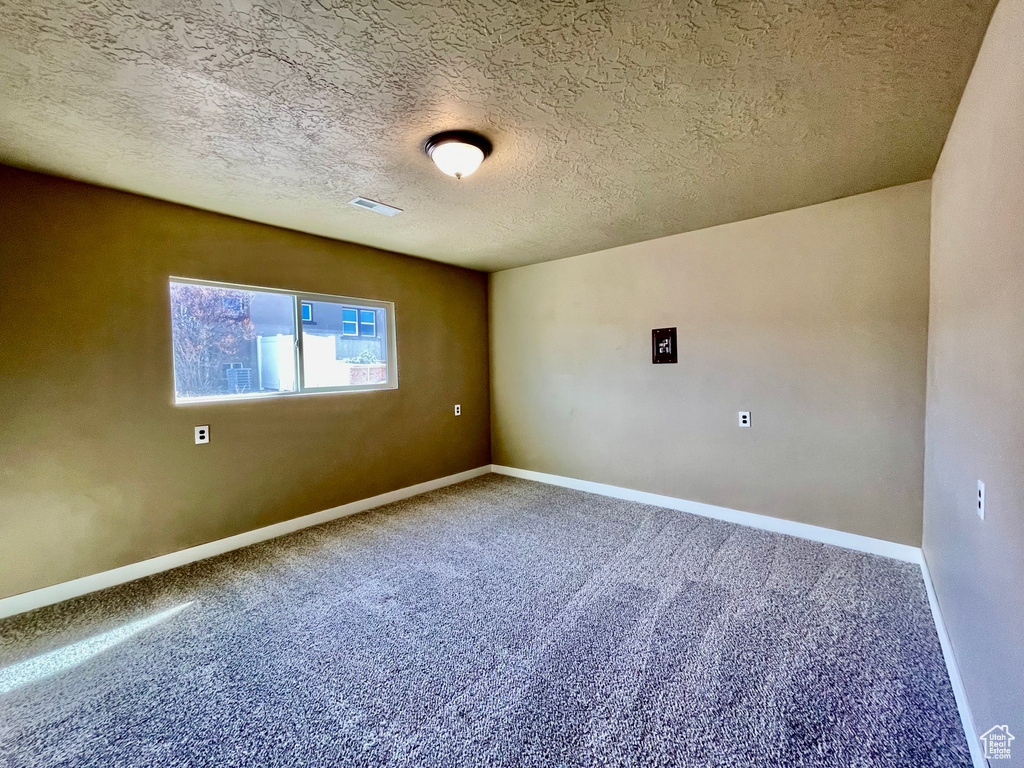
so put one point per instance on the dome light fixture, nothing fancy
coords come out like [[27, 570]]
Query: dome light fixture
[[457, 153]]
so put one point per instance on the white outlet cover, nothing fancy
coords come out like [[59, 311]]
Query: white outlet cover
[[458, 410], [203, 434], [744, 418], [981, 500]]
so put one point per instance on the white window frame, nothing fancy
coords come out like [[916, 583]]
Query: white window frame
[[391, 341]]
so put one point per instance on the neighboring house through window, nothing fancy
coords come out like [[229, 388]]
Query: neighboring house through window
[[234, 342]]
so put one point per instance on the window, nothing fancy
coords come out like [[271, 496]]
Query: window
[[367, 322], [344, 349], [237, 342], [349, 321]]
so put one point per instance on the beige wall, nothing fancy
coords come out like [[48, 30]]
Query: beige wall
[[815, 320], [975, 426], [98, 468]]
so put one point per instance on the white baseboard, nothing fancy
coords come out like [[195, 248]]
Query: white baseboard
[[765, 522], [37, 598], [959, 692]]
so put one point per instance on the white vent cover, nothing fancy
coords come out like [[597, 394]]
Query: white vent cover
[[373, 205]]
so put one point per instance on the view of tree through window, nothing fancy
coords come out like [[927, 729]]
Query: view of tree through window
[[238, 342]]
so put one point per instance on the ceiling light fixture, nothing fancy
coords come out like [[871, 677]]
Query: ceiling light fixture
[[457, 153]]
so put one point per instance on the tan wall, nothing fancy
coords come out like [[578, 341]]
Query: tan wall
[[815, 320], [975, 426], [98, 468]]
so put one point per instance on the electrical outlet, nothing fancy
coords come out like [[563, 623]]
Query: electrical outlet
[[744, 418], [458, 410], [981, 500], [202, 434]]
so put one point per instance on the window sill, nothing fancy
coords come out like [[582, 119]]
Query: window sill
[[280, 395]]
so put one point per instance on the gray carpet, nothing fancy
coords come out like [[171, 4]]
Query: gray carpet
[[494, 623]]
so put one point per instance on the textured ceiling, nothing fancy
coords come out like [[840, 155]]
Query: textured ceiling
[[613, 121]]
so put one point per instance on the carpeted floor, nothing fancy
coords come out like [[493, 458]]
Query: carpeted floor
[[494, 623]]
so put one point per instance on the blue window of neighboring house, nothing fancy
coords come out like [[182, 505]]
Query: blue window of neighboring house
[[350, 321], [307, 312], [367, 322]]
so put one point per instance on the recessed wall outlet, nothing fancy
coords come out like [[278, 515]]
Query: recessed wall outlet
[[458, 410], [203, 434], [744, 418], [981, 500]]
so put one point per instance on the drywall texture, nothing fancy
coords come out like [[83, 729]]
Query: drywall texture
[[98, 468], [614, 121], [975, 426], [815, 320]]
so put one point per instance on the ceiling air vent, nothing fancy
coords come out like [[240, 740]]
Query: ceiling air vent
[[373, 205]]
